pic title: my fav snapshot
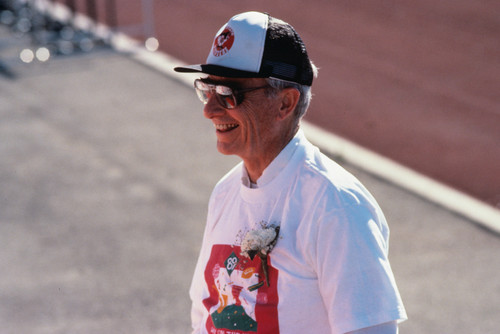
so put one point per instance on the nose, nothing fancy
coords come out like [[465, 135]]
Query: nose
[[212, 108]]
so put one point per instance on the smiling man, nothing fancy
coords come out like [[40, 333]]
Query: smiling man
[[293, 243]]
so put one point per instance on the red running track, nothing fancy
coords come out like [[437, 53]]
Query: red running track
[[416, 81]]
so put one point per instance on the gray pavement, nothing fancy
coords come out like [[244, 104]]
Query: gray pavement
[[105, 172]]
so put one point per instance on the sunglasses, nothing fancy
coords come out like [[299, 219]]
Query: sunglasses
[[227, 97]]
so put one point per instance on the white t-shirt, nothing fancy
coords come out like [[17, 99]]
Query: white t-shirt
[[329, 271]]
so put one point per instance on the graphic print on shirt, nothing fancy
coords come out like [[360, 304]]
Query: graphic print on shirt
[[239, 301]]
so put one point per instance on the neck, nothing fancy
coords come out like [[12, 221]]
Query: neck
[[255, 166]]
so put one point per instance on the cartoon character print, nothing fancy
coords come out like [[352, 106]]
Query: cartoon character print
[[239, 300]]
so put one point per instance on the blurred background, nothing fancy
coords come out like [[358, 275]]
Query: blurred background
[[106, 169], [416, 81]]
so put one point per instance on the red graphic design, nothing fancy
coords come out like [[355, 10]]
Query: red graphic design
[[240, 301], [223, 42]]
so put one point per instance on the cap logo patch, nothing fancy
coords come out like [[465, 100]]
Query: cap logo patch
[[223, 42]]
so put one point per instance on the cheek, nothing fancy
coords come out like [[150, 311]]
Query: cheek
[[260, 116], [257, 124]]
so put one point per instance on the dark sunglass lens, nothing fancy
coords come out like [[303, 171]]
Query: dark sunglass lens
[[202, 90], [227, 101], [203, 95], [224, 94]]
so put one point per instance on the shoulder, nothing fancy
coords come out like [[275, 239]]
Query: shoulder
[[334, 194], [229, 183], [230, 177], [326, 178]]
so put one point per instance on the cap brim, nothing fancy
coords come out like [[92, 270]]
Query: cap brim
[[220, 71]]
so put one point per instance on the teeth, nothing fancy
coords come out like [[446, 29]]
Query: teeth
[[225, 127]]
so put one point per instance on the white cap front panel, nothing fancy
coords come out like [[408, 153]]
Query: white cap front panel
[[240, 43]]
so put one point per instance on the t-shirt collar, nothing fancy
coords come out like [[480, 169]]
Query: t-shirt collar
[[275, 166]]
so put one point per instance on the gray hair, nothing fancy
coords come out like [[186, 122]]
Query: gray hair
[[305, 93]]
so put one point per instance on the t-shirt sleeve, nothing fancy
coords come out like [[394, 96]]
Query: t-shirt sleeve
[[354, 274]]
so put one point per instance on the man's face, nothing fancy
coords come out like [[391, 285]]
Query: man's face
[[250, 130]]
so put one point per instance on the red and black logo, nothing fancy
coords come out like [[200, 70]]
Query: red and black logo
[[223, 42]]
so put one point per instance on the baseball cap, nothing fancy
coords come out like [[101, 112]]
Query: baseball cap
[[257, 45]]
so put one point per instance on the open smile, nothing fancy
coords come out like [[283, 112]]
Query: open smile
[[225, 127]]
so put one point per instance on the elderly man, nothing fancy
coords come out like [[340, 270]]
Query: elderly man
[[293, 243]]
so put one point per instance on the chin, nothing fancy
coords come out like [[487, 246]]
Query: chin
[[223, 149]]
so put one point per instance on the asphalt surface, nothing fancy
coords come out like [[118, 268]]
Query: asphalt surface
[[105, 172]]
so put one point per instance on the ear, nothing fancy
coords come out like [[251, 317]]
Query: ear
[[289, 99]]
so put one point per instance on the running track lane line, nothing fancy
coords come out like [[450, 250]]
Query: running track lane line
[[456, 201]]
